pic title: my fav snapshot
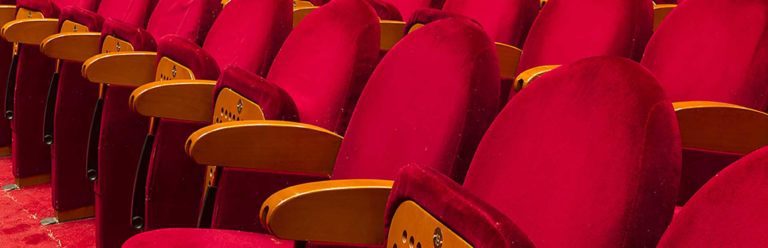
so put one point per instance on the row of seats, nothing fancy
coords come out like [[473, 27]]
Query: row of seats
[[125, 94]]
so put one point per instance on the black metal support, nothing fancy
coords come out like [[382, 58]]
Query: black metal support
[[92, 153], [139, 189], [206, 213], [50, 108], [10, 87]]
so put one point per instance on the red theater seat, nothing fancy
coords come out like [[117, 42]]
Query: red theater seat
[[246, 33], [555, 170], [7, 14], [716, 51], [506, 22], [566, 31], [29, 74], [400, 119], [728, 211], [316, 78], [71, 98]]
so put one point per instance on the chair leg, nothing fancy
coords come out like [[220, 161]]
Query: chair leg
[[5, 151], [33, 180]]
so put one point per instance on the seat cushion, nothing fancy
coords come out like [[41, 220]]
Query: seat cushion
[[728, 211], [204, 238], [588, 155]]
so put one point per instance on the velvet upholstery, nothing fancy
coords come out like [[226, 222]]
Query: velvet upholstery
[[419, 139], [234, 40], [336, 52], [6, 51], [728, 211], [70, 188], [52, 8], [385, 10], [474, 220], [566, 31], [205, 238], [505, 21], [31, 157], [408, 7], [570, 173], [246, 34], [122, 130], [712, 51], [597, 181], [404, 103]]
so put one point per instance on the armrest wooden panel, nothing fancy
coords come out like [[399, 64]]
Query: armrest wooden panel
[[660, 11], [121, 68], [391, 33], [176, 99], [30, 31], [302, 10], [412, 219], [72, 46], [529, 75], [509, 56], [278, 146], [723, 127], [7, 13], [344, 211]]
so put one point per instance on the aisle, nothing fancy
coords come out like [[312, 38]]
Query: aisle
[[20, 214]]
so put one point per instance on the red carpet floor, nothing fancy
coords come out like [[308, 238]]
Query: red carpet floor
[[21, 212]]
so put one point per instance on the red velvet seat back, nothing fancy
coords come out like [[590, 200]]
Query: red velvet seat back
[[326, 61], [186, 18], [133, 12], [428, 102], [52, 8], [714, 50], [587, 156], [506, 21], [566, 31], [728, 211], [235, 39], [316, 78], [407, 7]]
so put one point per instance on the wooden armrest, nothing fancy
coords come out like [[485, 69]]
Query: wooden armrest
[[529, 75], [72, 46], [300, 10], [190, 100], [391, 33], [30, 31], [121, 68], [7, 13], [509, 56], [723, 127], [278, 146], [660, 11], [343, 211], [420, 224]]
